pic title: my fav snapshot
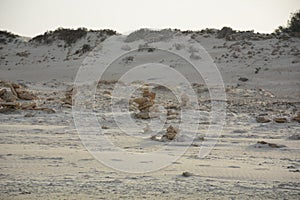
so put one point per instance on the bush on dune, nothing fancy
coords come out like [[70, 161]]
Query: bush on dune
[[293, 26]]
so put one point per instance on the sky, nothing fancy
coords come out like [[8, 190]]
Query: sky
[[33, 17]]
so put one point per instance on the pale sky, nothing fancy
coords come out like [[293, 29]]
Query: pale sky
[[33, 17]]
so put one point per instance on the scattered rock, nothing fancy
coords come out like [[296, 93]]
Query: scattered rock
[[143, 115], [144, 104], [187, 174], [262, 120], [25, 95], [297, 118], [263, 144], [104, 127], [68, 95], [29, 115], [170, 134], [107, 92], [8, 96], [195, 56], [243, 79], [280, 120], [295, 136]]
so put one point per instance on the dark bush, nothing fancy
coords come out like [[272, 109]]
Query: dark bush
[[8, 34], [70, 36], [6, 37], [293, 25]]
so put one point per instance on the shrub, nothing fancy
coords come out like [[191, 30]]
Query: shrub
[[4, 35], [293, 25], [70, 36]]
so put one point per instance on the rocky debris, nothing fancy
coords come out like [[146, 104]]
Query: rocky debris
[[128, 59], [263, 144], [144, 104], [107, 92], [23, 54], [186, 174], [280, 120], [262, 119], [7, 96], [170, 134], [29, 115], [104, 127], [10, 93], [195, 56], [297, 118], [14, 91], [25, 95], [295, 136], [243, 79], [70, 91]]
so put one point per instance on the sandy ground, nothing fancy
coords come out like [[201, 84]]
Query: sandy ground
[[42, 156]]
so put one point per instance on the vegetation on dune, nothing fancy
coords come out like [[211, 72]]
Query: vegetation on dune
[[293, 25], [70, 36], [4, 35]]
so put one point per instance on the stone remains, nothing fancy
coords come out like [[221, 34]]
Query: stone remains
[[68, 96], [263, 144], [280, 120], [262, 119], [297, 118], [144, 104], [14, 96], [170, 135]]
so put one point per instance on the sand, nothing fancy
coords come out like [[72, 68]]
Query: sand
[[43, 157]]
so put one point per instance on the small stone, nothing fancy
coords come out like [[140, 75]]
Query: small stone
[[297, 118], [280, 120], [104, 127], [187, 174], [29, 115], [262, 120], [243, 79]]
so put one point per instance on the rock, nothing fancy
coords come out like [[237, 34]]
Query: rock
[[146, 106], [184, 100], [143, 115], [297, 118], [25, 95], [2, 91], [104, 127], [243, 79], [295, 136], [107, 92], [141, 100], [187, 174], [280, 120], [148, 94], [8, 96], [29, 115], [263, 144], [262, 120], [171, 133], [195, 56], [70, 91], [28, 106]]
